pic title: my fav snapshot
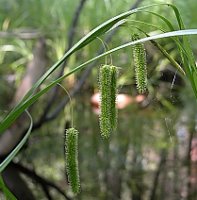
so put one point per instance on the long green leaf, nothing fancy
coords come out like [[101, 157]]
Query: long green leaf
[[6, 191], [30, 98], [13, 153], [84, 41], [188, 58], [99, 30], [12, 116]]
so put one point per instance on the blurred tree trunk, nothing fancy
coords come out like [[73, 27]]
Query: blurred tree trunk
[[16, 184], [35, 69], [191, 161], [153, 194], [13, 135]]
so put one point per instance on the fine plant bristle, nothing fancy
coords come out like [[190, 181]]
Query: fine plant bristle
[[71, 145], [108, 89], [139, 56]]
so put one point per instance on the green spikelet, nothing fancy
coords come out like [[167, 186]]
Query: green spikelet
[[71, 145], [139, 56], [108, 89]]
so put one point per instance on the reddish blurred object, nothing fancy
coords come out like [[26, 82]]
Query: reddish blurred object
[[122, 101], [193, 152], [193, 167]]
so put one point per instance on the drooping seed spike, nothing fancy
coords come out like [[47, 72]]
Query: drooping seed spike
[[139, 56], [105, 92], [71, 149], [107, 86]]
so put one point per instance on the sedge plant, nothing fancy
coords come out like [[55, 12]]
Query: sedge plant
[[180, 38]]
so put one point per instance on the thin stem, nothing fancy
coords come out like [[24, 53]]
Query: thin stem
[[71, 106], [106, 47]]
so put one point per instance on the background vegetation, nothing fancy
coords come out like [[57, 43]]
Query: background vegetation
[[152, 155]]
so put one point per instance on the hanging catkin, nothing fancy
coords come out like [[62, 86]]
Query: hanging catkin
[[108, 89], [139, 56], [71, 145]]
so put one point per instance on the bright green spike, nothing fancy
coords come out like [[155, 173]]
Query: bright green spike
[[71, 149], [108, 89], [139, 56]]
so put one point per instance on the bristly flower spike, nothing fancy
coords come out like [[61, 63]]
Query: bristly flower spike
[[108, 90], [71, 149], [139, 56]]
